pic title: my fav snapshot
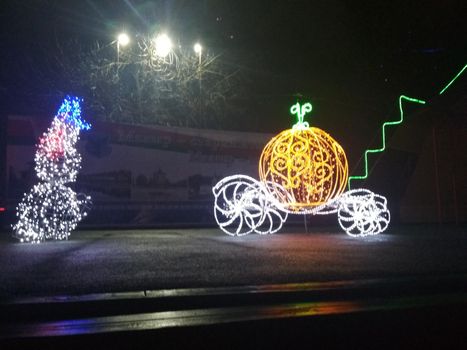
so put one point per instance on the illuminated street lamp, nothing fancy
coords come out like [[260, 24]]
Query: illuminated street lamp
[[198, 50], [163, 45], [122, 40]]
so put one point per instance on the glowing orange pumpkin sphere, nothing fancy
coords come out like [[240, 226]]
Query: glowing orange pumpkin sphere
[[307, 162]]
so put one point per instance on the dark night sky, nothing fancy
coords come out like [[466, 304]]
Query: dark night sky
[[351, 58]]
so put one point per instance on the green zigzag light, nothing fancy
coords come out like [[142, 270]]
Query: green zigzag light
[[396, 122], [383, 146]]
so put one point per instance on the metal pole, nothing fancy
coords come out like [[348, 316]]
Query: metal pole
[[453, 150], [199, 72], [435, 159], [454, 189]]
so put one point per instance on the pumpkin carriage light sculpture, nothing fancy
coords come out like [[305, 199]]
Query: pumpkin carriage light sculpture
[[302, 170]]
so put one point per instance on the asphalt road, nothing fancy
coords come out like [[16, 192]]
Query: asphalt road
[[136, 260]]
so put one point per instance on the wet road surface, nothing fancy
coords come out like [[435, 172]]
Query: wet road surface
[[202, 289], [138, 260]]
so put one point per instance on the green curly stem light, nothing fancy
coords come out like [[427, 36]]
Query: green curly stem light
[[300, 111]]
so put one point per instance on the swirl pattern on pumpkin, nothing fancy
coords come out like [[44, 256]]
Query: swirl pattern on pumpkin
[[308, 163]]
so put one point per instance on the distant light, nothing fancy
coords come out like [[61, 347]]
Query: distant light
[[163, 45], [123, 39], [198, 48], [2, 209]]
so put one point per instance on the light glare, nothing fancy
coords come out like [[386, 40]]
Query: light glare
[[163, 45], [123, 39], [198, 48]]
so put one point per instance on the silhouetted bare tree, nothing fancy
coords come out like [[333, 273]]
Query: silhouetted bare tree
[[134, 84]]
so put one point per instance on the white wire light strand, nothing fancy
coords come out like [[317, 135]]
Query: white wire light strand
[[243, 205], [362, 213]]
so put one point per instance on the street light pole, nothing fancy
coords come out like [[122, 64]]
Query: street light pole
[[123, 39], [198, 50]]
